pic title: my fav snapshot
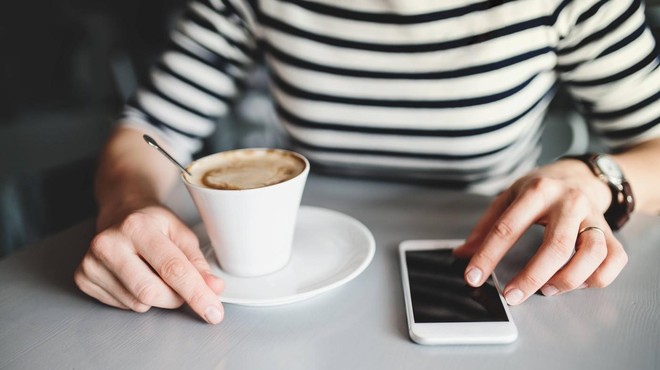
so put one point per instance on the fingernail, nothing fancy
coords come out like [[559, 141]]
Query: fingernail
[[549, 290], [583, 286], [213, 314], [474, 276], [514, 297]]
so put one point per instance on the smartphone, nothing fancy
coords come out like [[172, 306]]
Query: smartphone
[[441, 307]]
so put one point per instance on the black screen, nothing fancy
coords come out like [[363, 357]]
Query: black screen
[[440, 294]]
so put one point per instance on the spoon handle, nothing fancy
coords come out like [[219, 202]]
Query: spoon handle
[[154, 144]]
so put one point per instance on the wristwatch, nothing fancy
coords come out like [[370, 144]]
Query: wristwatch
[[606, 169]]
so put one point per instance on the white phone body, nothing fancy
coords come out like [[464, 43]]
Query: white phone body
[[450, 315]]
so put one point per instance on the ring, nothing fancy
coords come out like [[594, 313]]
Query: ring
[[588, 228]]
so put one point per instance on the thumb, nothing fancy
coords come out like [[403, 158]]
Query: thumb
[[215, 283], [467, 249]]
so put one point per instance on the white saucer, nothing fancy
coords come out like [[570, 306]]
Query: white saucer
[[329, 250]]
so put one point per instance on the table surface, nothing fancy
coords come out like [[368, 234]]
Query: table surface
[[45, 322]]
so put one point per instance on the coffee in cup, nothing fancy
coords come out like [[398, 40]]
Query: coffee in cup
[[248, 200], [248, 169]]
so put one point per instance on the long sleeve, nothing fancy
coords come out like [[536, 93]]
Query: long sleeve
[[194, 81], [608, 59]]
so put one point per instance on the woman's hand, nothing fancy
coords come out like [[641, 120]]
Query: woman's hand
[[566, 198], [149, 258]]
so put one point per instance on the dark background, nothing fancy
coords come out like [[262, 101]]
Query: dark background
[[66, 66]]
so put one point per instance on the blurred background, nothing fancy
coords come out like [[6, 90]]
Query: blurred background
[[67, 66]]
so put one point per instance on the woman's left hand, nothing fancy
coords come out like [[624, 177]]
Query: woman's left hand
[[566, 198]]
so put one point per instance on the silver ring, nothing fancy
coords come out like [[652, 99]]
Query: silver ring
[[588, 228]]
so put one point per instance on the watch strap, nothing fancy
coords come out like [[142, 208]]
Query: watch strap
[[621, 207], [622, 204]]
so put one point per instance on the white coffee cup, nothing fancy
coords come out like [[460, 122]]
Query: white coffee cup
[[251, 229]]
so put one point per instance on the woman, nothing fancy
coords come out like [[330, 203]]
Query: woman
[[453, 92]]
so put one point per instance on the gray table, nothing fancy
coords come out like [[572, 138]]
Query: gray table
[[45, 322]]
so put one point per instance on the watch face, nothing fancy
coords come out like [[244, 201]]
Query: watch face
[[610, 169]]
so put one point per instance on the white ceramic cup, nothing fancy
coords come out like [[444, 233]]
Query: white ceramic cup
[[251, 230]]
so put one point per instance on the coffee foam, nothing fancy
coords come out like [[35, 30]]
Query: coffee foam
[[245, 169]]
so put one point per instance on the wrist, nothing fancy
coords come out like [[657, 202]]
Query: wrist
[[582, 177], [119, 196], [607, 171], [113, 212]]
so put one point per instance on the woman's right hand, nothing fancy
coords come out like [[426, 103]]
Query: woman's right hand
[[149, 258]]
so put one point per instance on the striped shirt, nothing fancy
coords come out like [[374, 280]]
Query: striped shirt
[[454, 91]]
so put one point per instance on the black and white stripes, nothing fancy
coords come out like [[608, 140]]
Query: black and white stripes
[[452, 90]]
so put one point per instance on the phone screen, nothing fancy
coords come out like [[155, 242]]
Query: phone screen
[[439, 292]]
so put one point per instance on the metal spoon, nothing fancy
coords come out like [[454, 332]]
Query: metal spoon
[[154, 144]]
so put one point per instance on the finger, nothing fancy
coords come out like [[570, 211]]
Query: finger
[[591, 251], [616, 260], [96, 292], [516, 219], [118, 254], [102, 295], [476, 237], [98, 274], [557, 247], [188, 242], [179, 273]]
